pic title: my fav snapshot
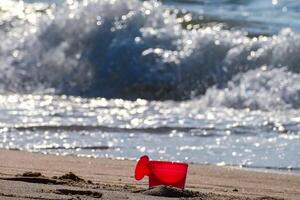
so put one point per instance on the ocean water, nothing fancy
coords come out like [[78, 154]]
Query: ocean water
[[205, 81]]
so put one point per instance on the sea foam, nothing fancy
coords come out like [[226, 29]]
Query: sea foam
[[131, 49]]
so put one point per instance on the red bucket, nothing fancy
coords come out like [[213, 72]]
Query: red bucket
[[161, 172]]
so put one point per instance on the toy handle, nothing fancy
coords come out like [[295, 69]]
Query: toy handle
[[142, 168]]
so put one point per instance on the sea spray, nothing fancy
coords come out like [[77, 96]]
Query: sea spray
[[133, 49]]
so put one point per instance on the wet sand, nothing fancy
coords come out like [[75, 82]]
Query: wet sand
[[25, 175]]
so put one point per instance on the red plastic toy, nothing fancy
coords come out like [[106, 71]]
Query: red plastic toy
[[161, 172]]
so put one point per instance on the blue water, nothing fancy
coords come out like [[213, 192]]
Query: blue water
[[255, 16], [199, 81]]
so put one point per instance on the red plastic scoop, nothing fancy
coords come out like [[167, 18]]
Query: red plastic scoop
[[161, 172]]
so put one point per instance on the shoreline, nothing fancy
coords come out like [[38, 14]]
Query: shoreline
[[213, 182], [276, 170]]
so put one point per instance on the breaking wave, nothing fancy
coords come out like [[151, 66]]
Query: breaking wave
[[133, 49], [258, 89]]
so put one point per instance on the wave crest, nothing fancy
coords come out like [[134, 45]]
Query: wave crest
[[133, 49]]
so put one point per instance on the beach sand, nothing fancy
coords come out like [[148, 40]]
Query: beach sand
[[94, 178]]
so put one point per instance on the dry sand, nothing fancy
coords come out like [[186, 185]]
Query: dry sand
[[94, 178]]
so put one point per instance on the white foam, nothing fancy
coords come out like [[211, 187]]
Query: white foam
[[258, 89], [112, 48]]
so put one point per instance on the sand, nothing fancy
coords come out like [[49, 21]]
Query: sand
[[25, 175]]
